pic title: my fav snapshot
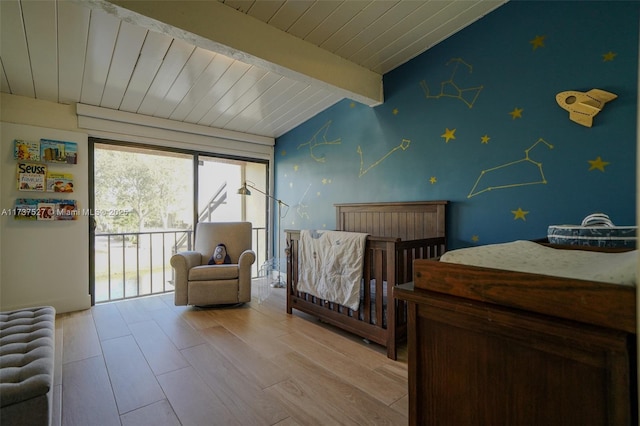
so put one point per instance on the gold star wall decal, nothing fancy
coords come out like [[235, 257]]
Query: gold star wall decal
[[598, 164], [448, 134], [283, 152], [538, 41], [395, 111], [296, 167], [516, 113], [352, 105], [519, 214], [485, 139], [609, 56], [475, 238], [433, 180]]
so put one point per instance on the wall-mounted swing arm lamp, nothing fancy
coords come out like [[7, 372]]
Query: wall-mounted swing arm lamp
[[244, 190]]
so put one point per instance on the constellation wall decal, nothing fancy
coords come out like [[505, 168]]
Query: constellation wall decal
[[538, 172], [313, 143], [301, 207], [449, 88], [403, 146]]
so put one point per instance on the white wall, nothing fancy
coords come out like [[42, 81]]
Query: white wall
[[47, 263], [43, 262]]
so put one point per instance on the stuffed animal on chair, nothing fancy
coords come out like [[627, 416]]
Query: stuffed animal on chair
[[220, 256]]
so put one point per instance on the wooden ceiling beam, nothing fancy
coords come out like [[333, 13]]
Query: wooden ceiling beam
[[214, 26]]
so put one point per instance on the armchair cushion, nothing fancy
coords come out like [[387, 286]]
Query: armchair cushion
[[213, 272]]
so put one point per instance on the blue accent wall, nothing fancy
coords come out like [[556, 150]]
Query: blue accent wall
[[475, 121]]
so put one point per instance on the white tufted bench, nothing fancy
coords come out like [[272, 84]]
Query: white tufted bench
[[27, 339]]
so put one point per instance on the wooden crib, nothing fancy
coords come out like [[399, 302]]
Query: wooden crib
[[398, 234]]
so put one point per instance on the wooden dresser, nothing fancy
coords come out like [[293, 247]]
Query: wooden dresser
[[477, 363]]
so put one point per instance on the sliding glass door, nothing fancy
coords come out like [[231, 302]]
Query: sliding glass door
[[145, 203], [219, 180]]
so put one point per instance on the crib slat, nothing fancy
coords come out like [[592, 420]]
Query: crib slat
[[366, 288], [380, 280], [394, 330]]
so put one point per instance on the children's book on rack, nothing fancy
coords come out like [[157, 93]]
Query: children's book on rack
[[53, 151], [31, 177], [26, 150], [45, 209], [66, 210], [59, 182], [26, 209]]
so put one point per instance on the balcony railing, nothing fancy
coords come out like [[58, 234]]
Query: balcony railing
[[134, 264]]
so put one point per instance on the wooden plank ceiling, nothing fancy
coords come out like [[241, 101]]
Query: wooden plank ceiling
[[152, 58]]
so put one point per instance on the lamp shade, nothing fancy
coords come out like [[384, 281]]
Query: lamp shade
[[244, 190]]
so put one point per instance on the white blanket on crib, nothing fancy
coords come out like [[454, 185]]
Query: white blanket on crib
[[330, 265]]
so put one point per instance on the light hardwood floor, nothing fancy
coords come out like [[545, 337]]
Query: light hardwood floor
[[148, 362]]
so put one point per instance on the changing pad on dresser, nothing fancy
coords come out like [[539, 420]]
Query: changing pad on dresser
[[527, 256]]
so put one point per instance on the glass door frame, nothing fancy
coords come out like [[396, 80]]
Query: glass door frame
[[195, 184]]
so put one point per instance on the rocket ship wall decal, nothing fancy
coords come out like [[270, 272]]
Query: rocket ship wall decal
[[582, 106]]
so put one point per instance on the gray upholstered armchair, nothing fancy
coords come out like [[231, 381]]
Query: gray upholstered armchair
[[200, 284]]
